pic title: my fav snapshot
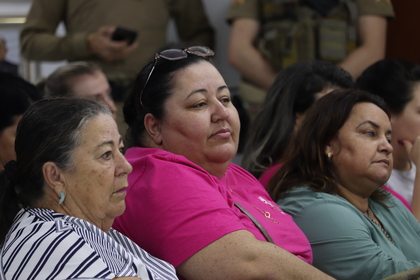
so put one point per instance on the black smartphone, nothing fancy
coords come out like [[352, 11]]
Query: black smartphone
[[124, 34]]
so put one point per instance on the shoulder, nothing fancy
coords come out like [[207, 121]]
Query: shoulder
[[160, 161], [41, 223], [322, 216], [39, 235], [302, 201], [241, 181], [375, 7], [240, 172], [139, 155], [158, 169]]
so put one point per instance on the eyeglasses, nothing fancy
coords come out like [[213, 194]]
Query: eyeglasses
[[176, 54]]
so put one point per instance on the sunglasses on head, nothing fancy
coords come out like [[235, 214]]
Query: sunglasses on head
[[176, 54]]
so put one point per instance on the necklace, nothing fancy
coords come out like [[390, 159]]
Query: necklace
[[266, 213], [376, 222]]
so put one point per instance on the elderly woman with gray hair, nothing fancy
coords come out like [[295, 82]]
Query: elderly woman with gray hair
[[61, 195]]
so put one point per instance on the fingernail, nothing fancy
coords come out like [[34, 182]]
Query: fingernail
[[400, 142]]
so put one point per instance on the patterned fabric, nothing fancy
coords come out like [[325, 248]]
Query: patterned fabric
[[42, 244]]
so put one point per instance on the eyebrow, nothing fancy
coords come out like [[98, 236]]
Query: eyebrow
[[204, 90], [369, 122], [389, 131], [110, 142]]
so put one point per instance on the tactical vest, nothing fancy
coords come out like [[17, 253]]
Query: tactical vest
[[297, 30]]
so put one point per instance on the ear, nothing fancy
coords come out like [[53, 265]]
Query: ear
[[53, 176], [153, 128], [328, 151]]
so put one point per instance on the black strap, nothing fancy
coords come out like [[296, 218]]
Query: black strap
[[256, 223]]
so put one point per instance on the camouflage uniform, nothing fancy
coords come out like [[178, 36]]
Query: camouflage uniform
[[291, 32]]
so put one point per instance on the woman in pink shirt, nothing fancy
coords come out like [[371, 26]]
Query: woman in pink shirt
[[186, 202]]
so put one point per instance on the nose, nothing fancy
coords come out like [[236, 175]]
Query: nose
[[123, 166], [385, 146], [221, 112]]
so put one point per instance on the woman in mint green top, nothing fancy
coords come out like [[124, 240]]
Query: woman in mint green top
[[330, 184]]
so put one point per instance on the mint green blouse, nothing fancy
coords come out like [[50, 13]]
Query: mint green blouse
[[348, 245]]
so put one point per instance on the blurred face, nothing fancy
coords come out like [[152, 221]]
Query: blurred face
[[95, 87], [361, 153], [3, 50], [301, 116], [95, 187], [7, 143], [200, 121], [406, 126]]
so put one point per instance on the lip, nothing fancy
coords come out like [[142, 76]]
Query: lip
[[122, 190], [386, 161], [222, 133]]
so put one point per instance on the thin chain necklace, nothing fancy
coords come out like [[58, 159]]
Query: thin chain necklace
[[376, 222], [266, 213]]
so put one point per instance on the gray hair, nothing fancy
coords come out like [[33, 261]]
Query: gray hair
[[49, 131]]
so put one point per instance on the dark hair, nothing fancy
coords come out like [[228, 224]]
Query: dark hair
[[293, 91], [48, 132], [158, 89], [393, 80], [58, 83], [306, 163], [16, 95]]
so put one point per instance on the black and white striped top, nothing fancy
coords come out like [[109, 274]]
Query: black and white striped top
[[42, 244]]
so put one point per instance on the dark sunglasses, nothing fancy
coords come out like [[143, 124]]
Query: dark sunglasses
[[176, 54]]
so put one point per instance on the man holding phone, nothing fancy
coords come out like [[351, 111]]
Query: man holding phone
[[91, 27]]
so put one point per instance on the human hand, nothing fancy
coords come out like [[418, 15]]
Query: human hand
[[101, 44], [413, 149]]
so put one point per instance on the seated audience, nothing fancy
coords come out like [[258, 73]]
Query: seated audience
[[295, 89], [187, 203], [81, 79], [61, 195], [330, 184], [398, 83], [16, 96]]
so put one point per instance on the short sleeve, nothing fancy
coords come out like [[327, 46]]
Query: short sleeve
[[375, 7], [243, 9], [46, 253]]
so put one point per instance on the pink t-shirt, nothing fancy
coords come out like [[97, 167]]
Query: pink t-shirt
[[175, 208]]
